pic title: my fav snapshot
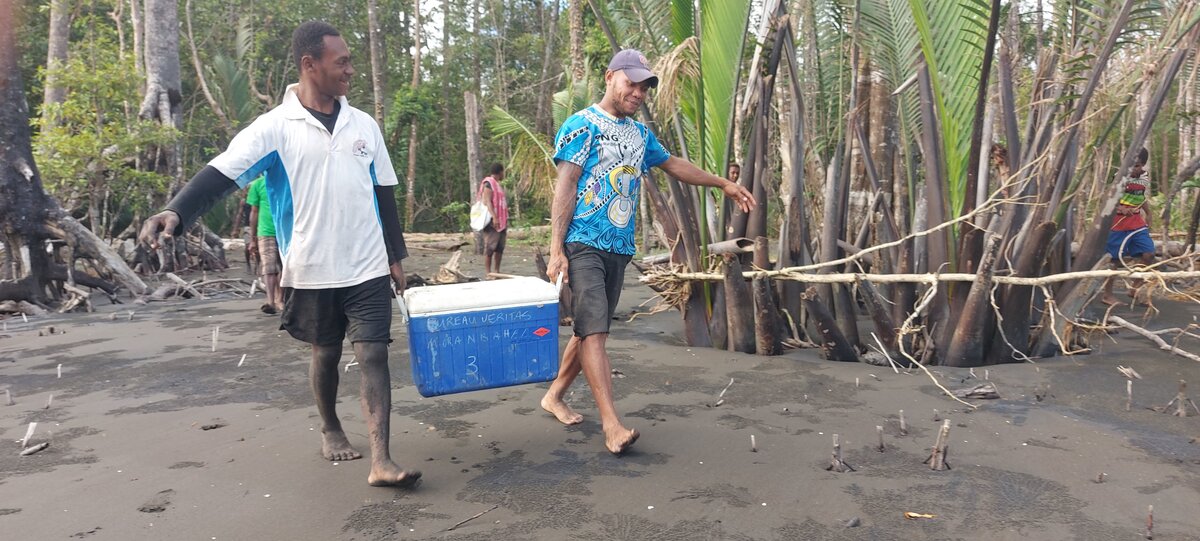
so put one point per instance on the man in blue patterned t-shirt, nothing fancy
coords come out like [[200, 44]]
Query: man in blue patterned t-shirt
[[601, 155]]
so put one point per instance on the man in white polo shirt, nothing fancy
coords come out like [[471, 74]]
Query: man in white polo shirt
[[330, 185]]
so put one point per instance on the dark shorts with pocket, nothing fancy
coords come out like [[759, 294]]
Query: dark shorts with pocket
[[596, 277], [325, 317], [494, 241]]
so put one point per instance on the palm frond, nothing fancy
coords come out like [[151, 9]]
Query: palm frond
[[952, 34], [826, 55], [890, 36], [678, 70], [724, 24], [577, 95], [233, 85], [643, 24], [683, 20], [531, 165], [244, 40], [503, 123]]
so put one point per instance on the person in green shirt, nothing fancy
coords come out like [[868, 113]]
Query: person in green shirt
[[262, 243]]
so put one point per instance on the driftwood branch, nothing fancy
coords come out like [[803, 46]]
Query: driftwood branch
[[663, 277], [1153, 337]]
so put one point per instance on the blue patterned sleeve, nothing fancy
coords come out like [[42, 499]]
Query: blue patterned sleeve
[[574, 141], [655, 153]]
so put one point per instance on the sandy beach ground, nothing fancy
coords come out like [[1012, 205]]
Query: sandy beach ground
[[131, 458]]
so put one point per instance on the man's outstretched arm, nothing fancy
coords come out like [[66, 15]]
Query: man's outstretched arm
[[197, 196], [690, 174]]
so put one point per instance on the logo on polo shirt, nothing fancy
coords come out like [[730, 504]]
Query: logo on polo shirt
[[360, 149]]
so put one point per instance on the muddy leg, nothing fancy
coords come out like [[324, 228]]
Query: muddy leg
[[376, 394], [274, 294], [1108, 297], [323, 375]]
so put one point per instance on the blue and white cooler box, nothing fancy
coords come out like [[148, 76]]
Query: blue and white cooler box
[[480, 335]]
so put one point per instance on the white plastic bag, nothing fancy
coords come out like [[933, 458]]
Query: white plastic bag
[[480, 217]]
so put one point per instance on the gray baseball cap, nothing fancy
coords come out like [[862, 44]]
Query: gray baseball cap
[[635, 66]]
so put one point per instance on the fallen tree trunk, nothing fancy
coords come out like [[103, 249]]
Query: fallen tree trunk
[[87, 244]]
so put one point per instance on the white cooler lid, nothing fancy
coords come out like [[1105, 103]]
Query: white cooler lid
[[471, 296]]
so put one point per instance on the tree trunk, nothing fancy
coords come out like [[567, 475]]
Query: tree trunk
[[544, 119], [739, 306], [410, 196], [833, 344], [163, 99], [575, 14], [474, 174], [25, 209], [969, 338], [375, 37], [879, 134], [139, 36], [24, 205], [478, 47], [938, 243], [447, 61], [56, 58], [1011, 339], [767, 327]]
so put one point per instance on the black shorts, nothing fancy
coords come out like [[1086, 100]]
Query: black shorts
[[325, 317], [596, 277], [494, 241]]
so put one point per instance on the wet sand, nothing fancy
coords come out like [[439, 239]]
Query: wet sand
[[130, 458]]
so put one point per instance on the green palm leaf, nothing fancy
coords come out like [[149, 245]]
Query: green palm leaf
[[503, 123], [827, 50], [723, 32], [952, 34], [890, 36], [531, 166]]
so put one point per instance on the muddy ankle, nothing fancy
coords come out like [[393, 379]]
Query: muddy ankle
[[335, 446], [390, 474]]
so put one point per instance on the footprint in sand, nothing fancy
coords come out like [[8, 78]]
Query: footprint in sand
[[158, 503]]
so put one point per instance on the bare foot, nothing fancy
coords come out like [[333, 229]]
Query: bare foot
[[335, 446], [620, 441], [561, 410], [1110, 300], [388, 474]]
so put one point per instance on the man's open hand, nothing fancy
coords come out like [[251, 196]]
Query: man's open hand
[[740, 195]]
